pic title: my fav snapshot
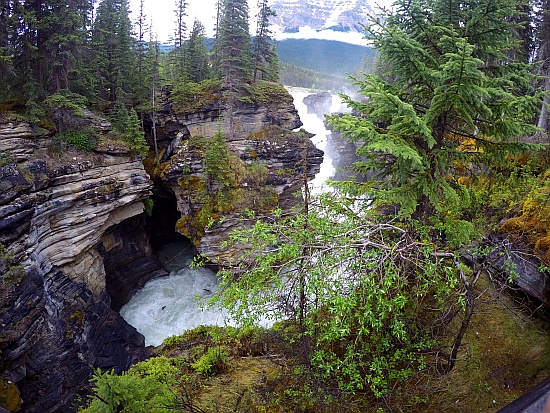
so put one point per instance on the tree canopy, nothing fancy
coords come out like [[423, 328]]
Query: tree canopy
[[451, 96]]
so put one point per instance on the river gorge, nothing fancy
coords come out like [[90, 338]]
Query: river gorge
[[169, 305]]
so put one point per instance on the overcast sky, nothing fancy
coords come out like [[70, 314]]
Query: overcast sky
[[161, 12]]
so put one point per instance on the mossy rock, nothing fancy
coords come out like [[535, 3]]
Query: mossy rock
[[10, 398]]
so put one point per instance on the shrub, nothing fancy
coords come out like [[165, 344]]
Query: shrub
[[214, 361], [82, 139]]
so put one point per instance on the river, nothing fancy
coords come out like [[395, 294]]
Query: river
[[170, 305]]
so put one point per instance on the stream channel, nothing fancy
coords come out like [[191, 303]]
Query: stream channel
[[170, 305]]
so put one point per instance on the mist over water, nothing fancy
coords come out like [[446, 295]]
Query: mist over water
[[170, 305]]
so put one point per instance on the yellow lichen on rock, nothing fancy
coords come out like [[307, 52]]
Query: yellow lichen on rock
[[9, 396]]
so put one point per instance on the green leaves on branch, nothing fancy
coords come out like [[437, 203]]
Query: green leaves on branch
[[363, 293]]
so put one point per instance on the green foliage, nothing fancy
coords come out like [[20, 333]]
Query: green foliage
[[149, 205], [216, 160], [363, 293], [189, 97], [323, 56], [232, 47], [198, 68], [68, 100], [212, 362], [293, 75], [263, 93], [127, 125], [265, 59], [81, 139], [10, 271], [131, 392], [443, 104], [4, 158]]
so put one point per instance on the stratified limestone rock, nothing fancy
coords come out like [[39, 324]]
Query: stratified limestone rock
[[56, 210], [267, 167]]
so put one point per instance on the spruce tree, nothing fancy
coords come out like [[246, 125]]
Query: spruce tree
[[452, 96], [178, 58], [542, 40], [114, 51], [233, 43], [8, 34], [198, 68], [266, 62]]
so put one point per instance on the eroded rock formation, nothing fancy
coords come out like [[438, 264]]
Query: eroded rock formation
[[58, 212], [267, 166], [74, 241]]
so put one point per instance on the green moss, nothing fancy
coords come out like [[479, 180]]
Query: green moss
[[77, 316], [264, 93], [149, 205], [190, 97], [9, 396]]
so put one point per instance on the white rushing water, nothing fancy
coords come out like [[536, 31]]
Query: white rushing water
[[314, 123], [168, 305]]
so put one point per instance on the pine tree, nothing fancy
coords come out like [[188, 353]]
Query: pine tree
[[233, 43], [453, 97], [266, 61], [198, 68]]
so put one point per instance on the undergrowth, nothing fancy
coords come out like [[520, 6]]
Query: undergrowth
[[214, 369]]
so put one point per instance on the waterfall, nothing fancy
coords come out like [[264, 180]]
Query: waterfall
[[170, 305]]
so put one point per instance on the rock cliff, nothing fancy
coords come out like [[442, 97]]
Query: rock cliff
[[267, 163], [59, 214], [75, 242]]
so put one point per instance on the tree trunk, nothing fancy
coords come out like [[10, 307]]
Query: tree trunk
[[543, 118]]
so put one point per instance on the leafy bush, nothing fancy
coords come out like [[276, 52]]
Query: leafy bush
[[131, 393], [214, 361], [83, 139]]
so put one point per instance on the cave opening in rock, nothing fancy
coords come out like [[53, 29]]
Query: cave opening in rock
[[130, 249], [161, 224]]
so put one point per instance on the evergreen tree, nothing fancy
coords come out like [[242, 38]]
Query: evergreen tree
[[40, 45], [198, 68], [8, 34], [114, 56], [142, 28], [266, 61], [542, 40], [233, 43], [453, 97], [181, 27], [61, 33]]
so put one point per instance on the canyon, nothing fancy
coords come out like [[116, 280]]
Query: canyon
[[76, 241]]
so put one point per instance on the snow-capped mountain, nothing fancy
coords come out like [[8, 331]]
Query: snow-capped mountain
[[322, 19], [335, 15]]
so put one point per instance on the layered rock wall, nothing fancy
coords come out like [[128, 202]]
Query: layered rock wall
[[269, 163], [56, 321]]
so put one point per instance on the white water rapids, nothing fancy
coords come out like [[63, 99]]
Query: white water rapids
[[168, 306]]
